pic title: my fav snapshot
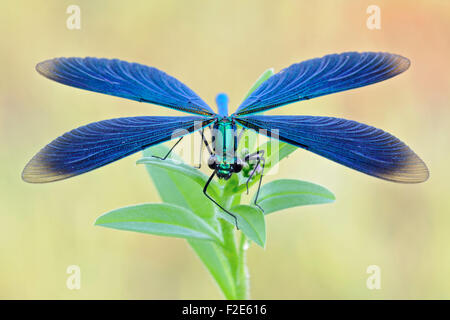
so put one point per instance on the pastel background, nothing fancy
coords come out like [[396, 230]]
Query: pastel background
[[213, 46]]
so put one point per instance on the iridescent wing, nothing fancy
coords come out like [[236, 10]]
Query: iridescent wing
[[353, 144], [124, 79], [99, 143], [321, 76]]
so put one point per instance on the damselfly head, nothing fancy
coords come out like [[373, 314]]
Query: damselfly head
[[212, 162], [224, 170]]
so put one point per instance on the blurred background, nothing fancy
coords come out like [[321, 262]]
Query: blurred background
[[213, 46]]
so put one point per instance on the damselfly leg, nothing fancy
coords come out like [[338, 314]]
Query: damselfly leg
[[260, 161], [205, 189], [205, 142], [165, 157]]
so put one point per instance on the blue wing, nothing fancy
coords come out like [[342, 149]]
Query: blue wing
[[99, 143], [321, 76], [124, 79], [353, 144]]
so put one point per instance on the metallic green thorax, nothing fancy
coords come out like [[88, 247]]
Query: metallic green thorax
[[225, 144], [223, 160]]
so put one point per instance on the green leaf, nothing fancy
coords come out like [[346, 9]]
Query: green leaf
[[161, 219], [272, 158], [216, 262], [251, 222], [287, 193], [180, 168], [231, 185], [179, 189]]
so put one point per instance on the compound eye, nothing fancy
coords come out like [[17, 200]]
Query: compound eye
[[212, 162], [237, 166]]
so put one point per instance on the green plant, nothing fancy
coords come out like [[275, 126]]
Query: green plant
[[187, 213]]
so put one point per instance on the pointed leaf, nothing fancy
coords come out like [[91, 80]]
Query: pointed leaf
[[161, 219], [287, 193], [272, 157], [179, 189], [251, 222], [194, 174]]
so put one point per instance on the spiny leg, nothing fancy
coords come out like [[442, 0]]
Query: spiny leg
[[259, 184], [256, 155], [201, 149], [204, 141], [206, 144], [165, 157], [205, 188], [260, 159]]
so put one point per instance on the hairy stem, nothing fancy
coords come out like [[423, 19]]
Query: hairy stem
[[242, 283], [234, 253]]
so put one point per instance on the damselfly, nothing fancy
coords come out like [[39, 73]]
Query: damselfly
[[355, 145]]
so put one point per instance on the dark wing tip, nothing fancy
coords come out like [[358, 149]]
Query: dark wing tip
[[38, 171], [410, 170], [46, 67], [401, 65]]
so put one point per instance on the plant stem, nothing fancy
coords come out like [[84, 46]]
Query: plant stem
[[236, 255], [242, 284], [229, 243]]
